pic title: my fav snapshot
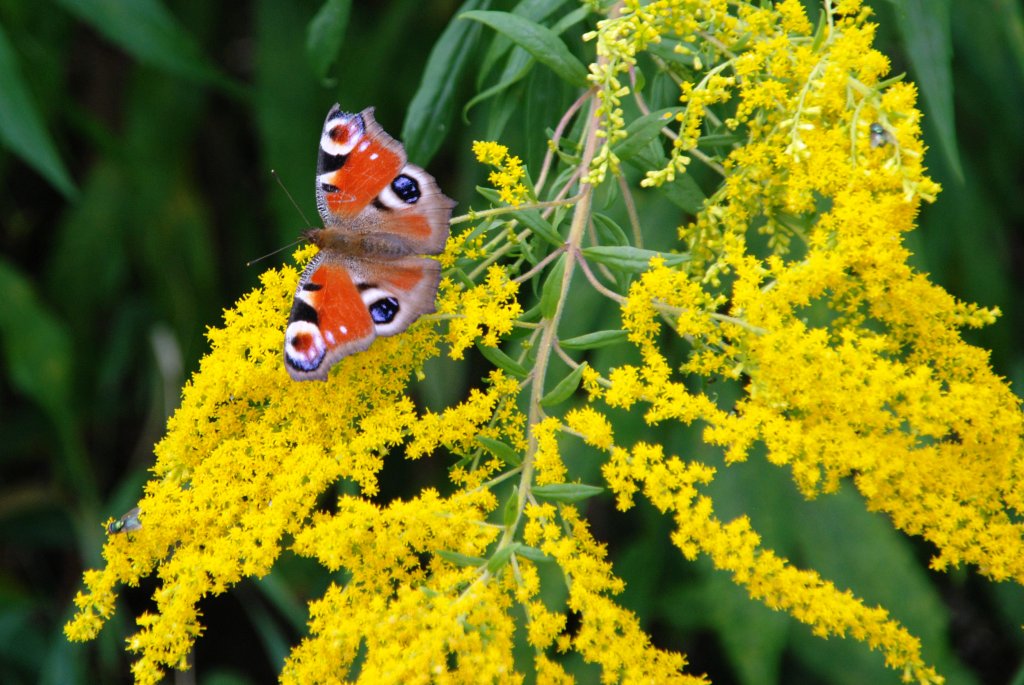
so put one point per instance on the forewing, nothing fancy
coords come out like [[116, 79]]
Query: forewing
[[357, 160]]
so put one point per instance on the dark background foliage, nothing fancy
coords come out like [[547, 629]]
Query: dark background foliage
[[137, 139]]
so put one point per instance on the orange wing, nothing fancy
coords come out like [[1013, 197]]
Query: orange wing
[[357, 161], [343, 303], [363, 183]]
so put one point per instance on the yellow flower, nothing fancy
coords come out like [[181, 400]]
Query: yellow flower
[[508, 171], [788, 324], [489, 152], [486, 312]]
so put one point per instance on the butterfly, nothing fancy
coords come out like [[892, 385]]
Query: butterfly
[[380, 214]]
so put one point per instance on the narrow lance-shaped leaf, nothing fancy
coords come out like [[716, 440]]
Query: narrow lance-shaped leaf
[[21, 126], [520, 62], [502, 360], [630, 258], [519, 65], [149, 33], [540, 41], [533, 220], [609, 232], [531, 553], [511, 512], [566, 492], [534, 10], [642, 131], [36, 346], [591, 341], [460, 559], [552, 289], [500, 450], [925, 26], [565, 388], [495, 563], [430, 112], [326, 34]]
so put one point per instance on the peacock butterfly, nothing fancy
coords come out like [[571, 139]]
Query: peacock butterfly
[[380, 214]]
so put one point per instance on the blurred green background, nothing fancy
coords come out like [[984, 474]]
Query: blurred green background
[[137, 143]]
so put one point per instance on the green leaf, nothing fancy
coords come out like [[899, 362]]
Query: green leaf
[[500, 450], [460, 559], [642, 131], [666, 50], [511, 512], [490, 194], [149, 33], [518, 66], [592, 341], [609, 232], [540, 41], [37, 348], [684, 193], [326, 35], [519, 62], [531, 553], [501, 557], [629, 258], [565, 388], [429, 115], [284, 597], [502, 360], [21, 126], [566, 492], [819, 31], [552, 289], [719, 139], [925, 27], [532, 219], [534, 10]]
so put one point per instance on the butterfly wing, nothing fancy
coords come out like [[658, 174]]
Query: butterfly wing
[[342, 303], [357, 160], [364, 184]]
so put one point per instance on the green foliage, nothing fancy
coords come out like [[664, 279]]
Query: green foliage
[[137, 138]]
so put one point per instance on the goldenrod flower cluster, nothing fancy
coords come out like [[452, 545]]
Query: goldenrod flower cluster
[[791, 286], [508, 171]]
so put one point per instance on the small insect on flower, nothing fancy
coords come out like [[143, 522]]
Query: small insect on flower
[[878, 136], [127, 523]]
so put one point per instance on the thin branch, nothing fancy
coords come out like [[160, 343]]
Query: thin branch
[[540, 265], [474, 216], [573, 364], [559, 130], [634, 218], [598, 286]]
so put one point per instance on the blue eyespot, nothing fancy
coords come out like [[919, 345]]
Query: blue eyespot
[[384, 310], [406, 188]]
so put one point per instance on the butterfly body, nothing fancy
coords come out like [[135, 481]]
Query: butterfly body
[[369, 279]]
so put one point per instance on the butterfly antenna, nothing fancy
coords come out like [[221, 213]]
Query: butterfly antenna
[[271, 254], [273, 172], [294, 203]]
